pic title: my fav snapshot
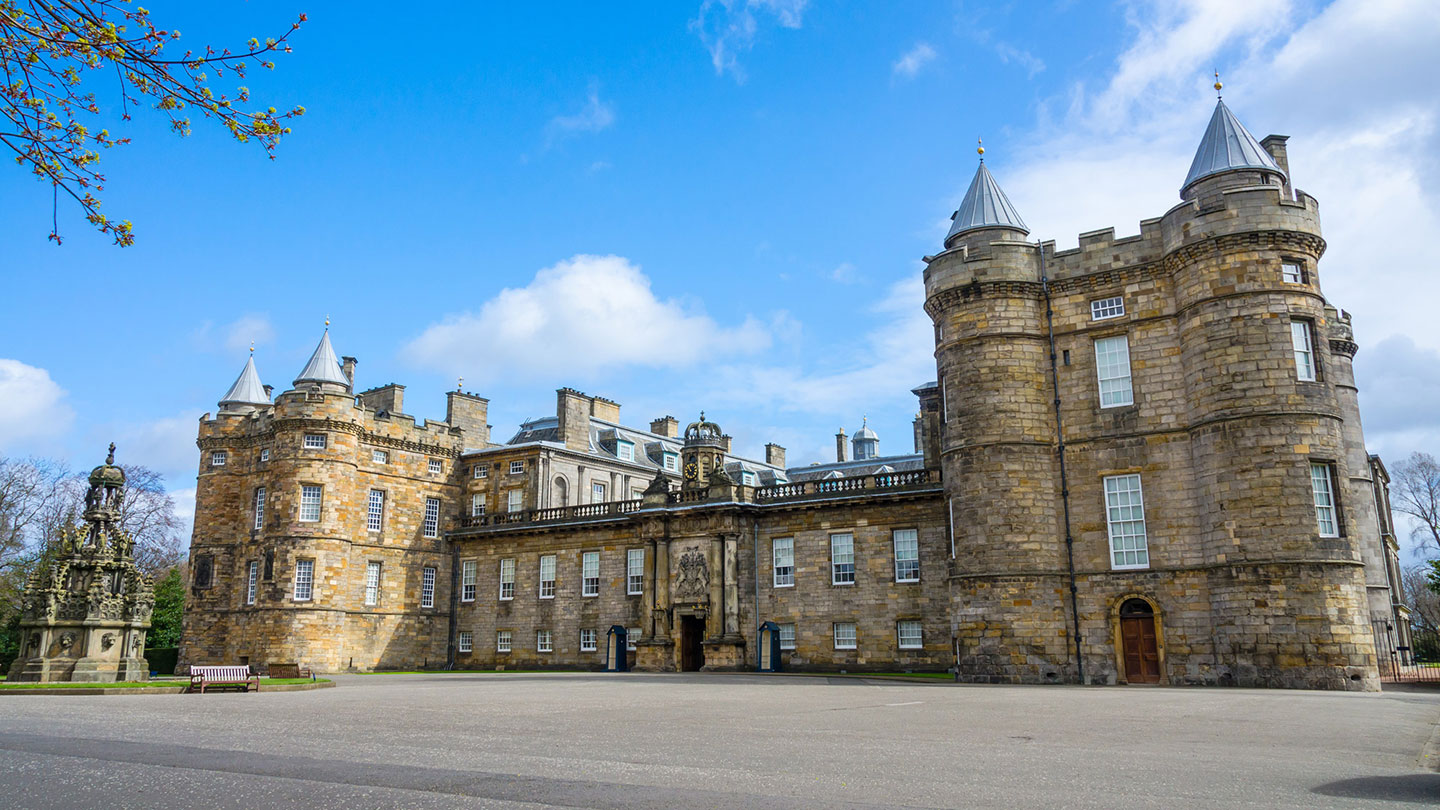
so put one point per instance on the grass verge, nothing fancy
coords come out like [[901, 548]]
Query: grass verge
[[144, 684]]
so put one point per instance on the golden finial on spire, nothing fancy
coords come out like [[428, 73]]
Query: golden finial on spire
[[327, 321], [1218, 85], [459, 383], [980, 147], [252, 347]]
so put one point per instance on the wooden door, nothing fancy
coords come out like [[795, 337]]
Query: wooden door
[[692, 632], [1142, 653]]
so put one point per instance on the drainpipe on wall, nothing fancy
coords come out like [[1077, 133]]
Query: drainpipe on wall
[[1064, 480], [755, 619], [454, 604]]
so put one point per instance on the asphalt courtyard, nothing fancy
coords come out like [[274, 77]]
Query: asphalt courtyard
[[732, 741]]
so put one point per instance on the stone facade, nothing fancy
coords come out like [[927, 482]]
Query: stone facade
[[1141, 461]]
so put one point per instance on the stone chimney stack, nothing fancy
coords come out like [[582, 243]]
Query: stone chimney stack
[[270, 391], [928, 424], [667, 426], [466, 411], [842, 447], [389, 398], [572, 408], [775, 455], [919, 436], [347, 364], [605, 409], [1275, 145]]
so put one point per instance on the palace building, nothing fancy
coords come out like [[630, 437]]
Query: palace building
[[1140, 461]]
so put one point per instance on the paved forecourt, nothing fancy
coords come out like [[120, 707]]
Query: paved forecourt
[[663, 741]]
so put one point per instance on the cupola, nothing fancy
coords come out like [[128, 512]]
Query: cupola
[[865, 442], [985, 206]]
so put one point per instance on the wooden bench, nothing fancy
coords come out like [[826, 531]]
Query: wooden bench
[[290, 671], [224, 677]]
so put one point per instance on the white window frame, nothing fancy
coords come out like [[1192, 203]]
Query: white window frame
[[905, 543], [304, 589], [252, 577], [787, 635], [431, 525], [544, 641], [1322, 490], [264, 454], [372, 583], [375, 510], [481, 470], [845, 635], [672, 461], [380, 456], [1129, 548], [631, 636], [1292, 272], [587, 640], [547, 585], [1302, 342], [782, 562], [507, 579], [1103, 309], [435, 466], [312, 503], [634, 571], [504, 640], [259, 508], [218, 458], [1112, 371], [427, 587], [915, 641], [466, 642], [468, 572], [517, 467], [597, 491], [625, 451], [590, 573], [842, 562], [477, 504], [515, 501], [747, 478], [315, 441]]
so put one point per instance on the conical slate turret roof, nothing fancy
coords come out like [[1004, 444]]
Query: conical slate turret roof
[[323, 367], [1227, 146], [985, 206], [247, 389]]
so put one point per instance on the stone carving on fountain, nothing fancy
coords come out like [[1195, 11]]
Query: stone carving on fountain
[[84, 614]]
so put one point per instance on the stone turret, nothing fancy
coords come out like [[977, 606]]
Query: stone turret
[[84, 615]]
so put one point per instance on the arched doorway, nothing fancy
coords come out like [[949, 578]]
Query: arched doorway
[[1139, 642]]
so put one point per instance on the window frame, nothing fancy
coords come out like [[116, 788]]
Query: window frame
[[1103, 309], [588, 640], [598, 488], [504, 641], [784, 644], [624, 450], [544, 591], [544, 641], [631, 635], [259, 508], [589, 564], [307, 565], [434, 466], [838, 568], [481, 470], [1300, 276], [1102, 366], [465, 642], [469, 579], [218, 458], [378, 456], [252, 579], [1304, 328], [836, 638], [634, 571], [264, 454], [375, 511], [430, 528], [315, 441], [919, 638], [777, 578], [517, 467], [514, 501], [477, 504], [428, 575], [670, 461], [895, 548], [318, 503], [1331, 493], [372, 583], [1111, 522], [507, 580]]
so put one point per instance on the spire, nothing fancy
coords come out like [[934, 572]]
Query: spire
[[324, 366], [1227, 146], [985, 205], [247, 389]]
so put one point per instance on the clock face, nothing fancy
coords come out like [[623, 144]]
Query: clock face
[[691, 472]]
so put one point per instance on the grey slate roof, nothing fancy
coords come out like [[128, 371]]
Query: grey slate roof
[[1227, 146], [649, 448], [868, 466], [324, 366], [247, 389], [985, 206]]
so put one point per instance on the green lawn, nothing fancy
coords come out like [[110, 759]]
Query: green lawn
[[146, 684]]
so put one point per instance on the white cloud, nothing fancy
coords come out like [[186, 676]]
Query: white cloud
[[845, 273], [248, 329], [728, 27], [594, 116], [32, 406], [165, 445], [913, 60], [1009, 53], [578, 319]]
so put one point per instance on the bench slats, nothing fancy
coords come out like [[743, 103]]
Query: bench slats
[[206, 676]]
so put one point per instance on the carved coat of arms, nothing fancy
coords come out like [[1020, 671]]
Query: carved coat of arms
[[694, 576]]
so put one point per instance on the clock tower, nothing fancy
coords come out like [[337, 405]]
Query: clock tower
[[703, 454]]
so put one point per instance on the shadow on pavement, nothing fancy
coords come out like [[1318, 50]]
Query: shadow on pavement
[[1416, 788]]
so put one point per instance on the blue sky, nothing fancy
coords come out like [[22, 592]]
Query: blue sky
[[687, 205]]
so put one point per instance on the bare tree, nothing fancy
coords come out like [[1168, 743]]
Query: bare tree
[[1415, 491], [32, 500], [1423, 601]]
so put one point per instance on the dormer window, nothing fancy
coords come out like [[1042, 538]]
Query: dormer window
[[1105, 308], [747, 478], [624, 450], [672, 461]]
